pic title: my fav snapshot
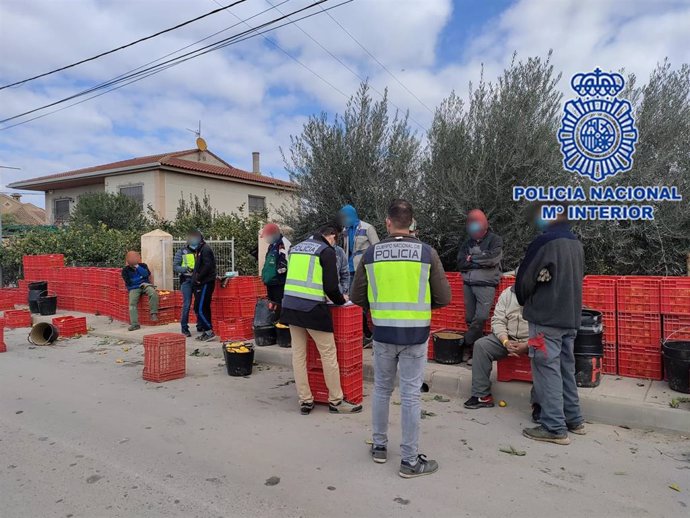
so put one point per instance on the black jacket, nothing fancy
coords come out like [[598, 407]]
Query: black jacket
[[484, 266], [204, 265], [558, 302]]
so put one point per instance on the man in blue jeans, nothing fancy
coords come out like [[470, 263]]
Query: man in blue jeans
[[183, 265], [400, 280], [549, 287]]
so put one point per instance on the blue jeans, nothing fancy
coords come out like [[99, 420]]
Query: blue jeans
[[410, 360], [186, 289], [553, 378]]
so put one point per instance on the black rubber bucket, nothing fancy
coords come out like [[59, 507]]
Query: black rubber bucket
[[589, 343], [47, 305], [592, 320], [36, 290], [677, 365], [265, 335], [43, 333], [283, 337], [448, 346], [238, 363], [588, 370]]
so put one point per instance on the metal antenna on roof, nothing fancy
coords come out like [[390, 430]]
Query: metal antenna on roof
[[200, 142]]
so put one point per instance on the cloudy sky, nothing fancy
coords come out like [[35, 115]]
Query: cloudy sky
[[253, 95]]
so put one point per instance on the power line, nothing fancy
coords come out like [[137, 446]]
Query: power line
[[304, 65], [384, 67], [222, 8], [347, 67], [127, 79]]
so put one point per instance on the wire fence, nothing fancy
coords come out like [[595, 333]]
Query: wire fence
[[223, 249]]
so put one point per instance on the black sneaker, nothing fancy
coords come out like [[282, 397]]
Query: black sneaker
[[539, 433], [379, 454], [578, 429], [306, 408], [423, 466], [344, 407], [536, 413], [479, 402], [187, 333], [202, 337], [210, 335], [133, 327]]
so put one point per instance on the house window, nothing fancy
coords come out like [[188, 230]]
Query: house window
[[61, 211], [135, 192], [257, 204]]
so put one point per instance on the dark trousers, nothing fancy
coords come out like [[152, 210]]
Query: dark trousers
[[478, 301], [187, 289], [202, 305]]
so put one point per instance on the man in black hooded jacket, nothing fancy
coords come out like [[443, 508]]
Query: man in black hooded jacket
[[203, 284]]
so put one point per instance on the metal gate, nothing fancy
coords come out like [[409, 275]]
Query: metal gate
[[223, 249]]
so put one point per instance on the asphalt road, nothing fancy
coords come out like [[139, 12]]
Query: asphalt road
[[82, 435]]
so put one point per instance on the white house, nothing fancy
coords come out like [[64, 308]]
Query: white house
[[162, 180]]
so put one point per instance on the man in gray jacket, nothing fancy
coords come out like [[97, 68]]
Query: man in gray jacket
[[549, 287], [479, 261]]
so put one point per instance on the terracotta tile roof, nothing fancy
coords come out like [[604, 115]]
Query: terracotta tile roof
[[230, 172], [163, 159]]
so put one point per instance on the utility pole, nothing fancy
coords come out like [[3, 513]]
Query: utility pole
[[2, 242]]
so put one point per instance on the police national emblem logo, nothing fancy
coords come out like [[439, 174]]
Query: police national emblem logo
[[598, 132]]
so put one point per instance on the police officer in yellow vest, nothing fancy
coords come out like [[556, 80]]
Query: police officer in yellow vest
[[183, 266], [400, 280], [312, 280]]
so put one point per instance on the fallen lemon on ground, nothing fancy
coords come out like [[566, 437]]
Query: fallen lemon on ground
[[502, 403]]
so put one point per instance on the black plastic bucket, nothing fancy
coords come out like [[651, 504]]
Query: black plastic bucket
[[677, 365], [47, 305], [592, 320], [448, 346], [239, 363], [43, 333], [265, 335], [588, 370], [36, 290], [283, 337], [589, 343]]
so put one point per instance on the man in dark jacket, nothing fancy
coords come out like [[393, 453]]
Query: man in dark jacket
[[549, 286], [479, 261], [400, 279], [139, 281], [183, 266], [312, 280], [203, 283]]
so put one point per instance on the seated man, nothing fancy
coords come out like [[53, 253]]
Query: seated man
[[138, 280], [509, 338]]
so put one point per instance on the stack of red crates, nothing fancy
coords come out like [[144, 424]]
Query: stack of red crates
[[347, 328], [675, 308], [9, 297], [3, 347], [17, 318], [237, 300], [599, 293], [234, 328], [165, 357], [69, 326], [639, 327]]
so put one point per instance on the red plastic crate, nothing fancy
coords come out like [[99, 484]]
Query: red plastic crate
[[165, 316], [599, 292], [347, 323], [17, 318], [165, 357], [234, 328], [639, 330], [514, 368], [69, 326], [506, 281], [638, 362], [247, 306], [610, 327], [3, 347], [675, 295], [351, 381], [350, 354], [609, 364], [676, 327], [637, 294]]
